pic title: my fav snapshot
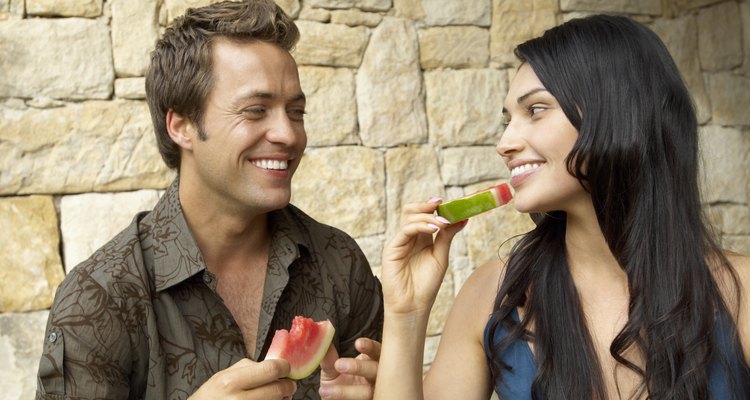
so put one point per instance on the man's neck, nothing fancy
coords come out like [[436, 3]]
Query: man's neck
[[227, 239]]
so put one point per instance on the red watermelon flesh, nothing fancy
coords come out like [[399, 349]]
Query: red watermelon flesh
[[303, 346]]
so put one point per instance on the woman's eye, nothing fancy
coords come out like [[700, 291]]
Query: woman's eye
[[536, 109]]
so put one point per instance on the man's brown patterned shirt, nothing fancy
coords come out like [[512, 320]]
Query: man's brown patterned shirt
[[140, 319]]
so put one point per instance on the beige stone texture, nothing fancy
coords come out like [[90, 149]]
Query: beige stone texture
[[720, 24], [649, 7], [514, 22], [309, 13], [353, 179], [745, 12], [723, 153], [64, 8], [692, 4], [175, 8], [454, 47], [442, 306], [464, 106], [11, 9], [130, 88], [135, 29], [81, 219], [430, 348], [680, 35], [730, 98], [390, 99], [472, 164], [90, 146], [413, 176], [291, 7], [367, 5], [354, 17], [330, 44], [30, 269], [450, 12], [489, 235], [372, 246], [739, 244], [69, 58], [410, 9], [21, 341], [730, 219], [71, 128], [331, 109]]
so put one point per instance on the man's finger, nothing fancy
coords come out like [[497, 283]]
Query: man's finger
[[369, 347], [327, 366], [365, 368], [347, 392]]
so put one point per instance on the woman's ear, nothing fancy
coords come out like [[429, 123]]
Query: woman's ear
[[181, 129]]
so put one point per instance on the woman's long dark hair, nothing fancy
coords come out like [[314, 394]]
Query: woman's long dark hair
[[637, 154]]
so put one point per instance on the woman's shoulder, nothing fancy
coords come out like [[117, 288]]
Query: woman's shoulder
[[486, 278]]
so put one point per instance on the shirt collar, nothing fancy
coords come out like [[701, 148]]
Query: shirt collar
[[177, 256]]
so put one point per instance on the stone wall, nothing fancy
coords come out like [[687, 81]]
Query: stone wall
[[404, 104]]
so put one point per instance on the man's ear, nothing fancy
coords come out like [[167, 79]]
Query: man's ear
[[181, 129]]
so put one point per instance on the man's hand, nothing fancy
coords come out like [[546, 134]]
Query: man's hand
[[350, 378], [247, 379]]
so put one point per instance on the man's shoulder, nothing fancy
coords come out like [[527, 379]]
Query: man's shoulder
[[315, 228], [322, 239], [117, 262]]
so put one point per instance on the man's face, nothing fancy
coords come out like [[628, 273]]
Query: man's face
[[254, 128]]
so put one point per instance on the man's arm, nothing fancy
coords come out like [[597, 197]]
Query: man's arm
[[87, 349]]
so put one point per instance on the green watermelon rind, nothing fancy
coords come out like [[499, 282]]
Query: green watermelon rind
[[477, 203], [276, 350]]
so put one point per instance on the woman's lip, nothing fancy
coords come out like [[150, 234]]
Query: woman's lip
[[520, 178]]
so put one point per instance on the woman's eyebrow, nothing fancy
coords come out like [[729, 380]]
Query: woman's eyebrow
[[529, 93]]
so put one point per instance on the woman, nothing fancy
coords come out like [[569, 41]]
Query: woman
[[619, 292]]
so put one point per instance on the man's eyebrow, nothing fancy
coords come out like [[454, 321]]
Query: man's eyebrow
[[529, 93], [267, 95]]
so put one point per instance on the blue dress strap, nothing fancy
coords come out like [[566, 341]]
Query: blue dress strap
[[516, 382]]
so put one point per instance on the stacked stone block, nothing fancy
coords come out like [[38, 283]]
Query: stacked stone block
[[404, 104]]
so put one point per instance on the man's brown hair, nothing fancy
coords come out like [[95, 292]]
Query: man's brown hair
[[180, 75]]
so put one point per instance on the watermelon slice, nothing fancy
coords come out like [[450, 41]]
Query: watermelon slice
[[469, 206], [304, 345]]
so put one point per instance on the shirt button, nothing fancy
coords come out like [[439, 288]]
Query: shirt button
[[52, 337], [206, 278]]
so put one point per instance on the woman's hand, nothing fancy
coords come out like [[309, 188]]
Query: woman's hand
[[416, 259]]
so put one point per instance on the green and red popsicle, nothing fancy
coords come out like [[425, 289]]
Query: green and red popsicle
[[477, 203]]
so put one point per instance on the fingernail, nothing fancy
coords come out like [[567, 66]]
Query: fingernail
[[342, 366], [443, 220], [325, 391], [434, 200], [434, 227]]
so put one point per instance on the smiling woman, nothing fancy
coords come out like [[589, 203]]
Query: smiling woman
[[620, 291]]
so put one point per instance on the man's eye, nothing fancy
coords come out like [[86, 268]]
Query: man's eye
[[297, 114], [254, 112]]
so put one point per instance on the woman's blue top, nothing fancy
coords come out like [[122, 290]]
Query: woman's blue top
[[516, 382]]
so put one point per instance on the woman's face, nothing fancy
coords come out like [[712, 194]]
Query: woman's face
[[537, 139]]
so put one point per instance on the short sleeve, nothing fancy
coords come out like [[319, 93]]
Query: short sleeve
[[86, 348]]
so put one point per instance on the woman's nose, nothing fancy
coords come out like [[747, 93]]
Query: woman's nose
[[510, 142]]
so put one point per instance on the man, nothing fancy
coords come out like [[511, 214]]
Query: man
[[183, 303]]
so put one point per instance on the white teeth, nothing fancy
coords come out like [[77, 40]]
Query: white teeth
[[271, 164], [523, 168]]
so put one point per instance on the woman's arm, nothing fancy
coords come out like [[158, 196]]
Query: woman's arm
[[414, 264], [460, 368]]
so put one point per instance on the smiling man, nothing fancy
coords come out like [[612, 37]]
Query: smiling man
[[184, 302]]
